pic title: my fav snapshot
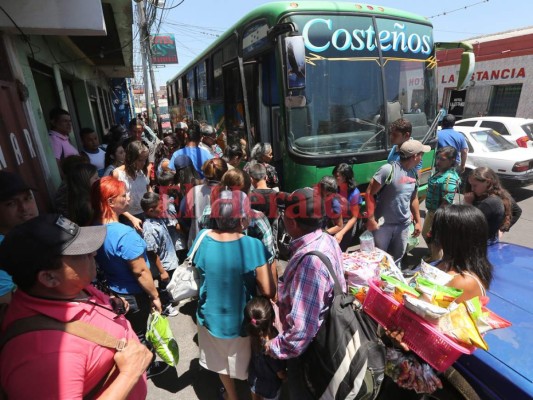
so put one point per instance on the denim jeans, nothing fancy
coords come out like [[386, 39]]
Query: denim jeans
[[392, 238]]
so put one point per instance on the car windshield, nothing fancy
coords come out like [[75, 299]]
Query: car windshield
[[491, 141]]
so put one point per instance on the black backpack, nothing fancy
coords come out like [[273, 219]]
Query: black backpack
[[346, 359], [283, 239]]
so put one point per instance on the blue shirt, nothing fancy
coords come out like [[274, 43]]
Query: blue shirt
[[121, 245], [450, 137], [158, 240], [197, 155], [227, 276]]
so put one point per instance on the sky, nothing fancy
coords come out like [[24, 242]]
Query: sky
[[195, 23]]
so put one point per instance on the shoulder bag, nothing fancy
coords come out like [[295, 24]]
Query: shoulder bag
[[186, 280], [346, 359], [77, 328]]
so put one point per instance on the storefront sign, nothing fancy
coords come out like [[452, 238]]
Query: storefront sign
[[340, 36], [457, 102], [163, 49], [492, 75]]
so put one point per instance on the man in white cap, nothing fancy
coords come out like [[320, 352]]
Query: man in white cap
[[181, 132], [209, 141], [393, 195]]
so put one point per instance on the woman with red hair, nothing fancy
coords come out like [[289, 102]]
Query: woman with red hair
[[122, 257]]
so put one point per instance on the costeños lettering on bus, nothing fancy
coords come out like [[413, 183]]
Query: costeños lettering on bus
[[397, 40]]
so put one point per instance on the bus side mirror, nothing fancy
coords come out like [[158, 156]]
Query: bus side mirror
[[295, 61], [466, 69]]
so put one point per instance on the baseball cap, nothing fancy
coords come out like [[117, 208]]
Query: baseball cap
[[48, 234], [182, 161], [413, 147], [303, 204], [11, 184], [181, 125], [208, 130]]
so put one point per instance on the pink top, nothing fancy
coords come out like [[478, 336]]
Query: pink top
[[54, 364], [61, 146]]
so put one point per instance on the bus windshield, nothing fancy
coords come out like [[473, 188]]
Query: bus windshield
[[354, 89]]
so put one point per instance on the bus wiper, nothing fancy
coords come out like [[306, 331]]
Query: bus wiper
[[432, 128], [373, 137]]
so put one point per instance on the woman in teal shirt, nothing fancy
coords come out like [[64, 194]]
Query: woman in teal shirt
[[442, 186], [233, 268]]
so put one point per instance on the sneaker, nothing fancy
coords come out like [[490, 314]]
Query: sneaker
[[170, 311], [156, 368]]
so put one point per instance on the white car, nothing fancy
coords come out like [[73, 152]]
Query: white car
[[487, 148], [518, 131]]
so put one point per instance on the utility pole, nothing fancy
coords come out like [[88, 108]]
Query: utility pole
[[154, 92], [143, 40], [147, 67]]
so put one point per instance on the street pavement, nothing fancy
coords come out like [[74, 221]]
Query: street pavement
[[191, 382]]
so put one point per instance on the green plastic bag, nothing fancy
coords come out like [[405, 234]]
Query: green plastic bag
[[160, 335]]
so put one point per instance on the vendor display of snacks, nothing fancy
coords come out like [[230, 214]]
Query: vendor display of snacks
[[435, 303], [360, 267]]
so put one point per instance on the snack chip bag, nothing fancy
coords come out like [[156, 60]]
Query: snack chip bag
[[439, 295], [459, 325], [434, 274], [359, 292], [484, 318], [399, 287], [428, 311]]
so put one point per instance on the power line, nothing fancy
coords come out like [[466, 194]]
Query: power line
[[444, 13]]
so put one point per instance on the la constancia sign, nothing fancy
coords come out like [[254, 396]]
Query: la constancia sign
[[492, 75]]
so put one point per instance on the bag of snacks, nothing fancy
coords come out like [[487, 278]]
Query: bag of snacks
[[397, 288], [409, 372], [459, 325], [437, 294], [484, 318], [428, 311], [434, 274]]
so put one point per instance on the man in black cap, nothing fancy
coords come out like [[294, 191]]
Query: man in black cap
[[306, 288], [17, 205], [52, 262]]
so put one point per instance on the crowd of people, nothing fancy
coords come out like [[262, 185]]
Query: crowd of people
[[126, 218]]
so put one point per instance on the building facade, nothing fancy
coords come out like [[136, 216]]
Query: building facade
[[62, 55], [502, 83]]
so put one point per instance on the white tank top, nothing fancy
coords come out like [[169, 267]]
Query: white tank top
[[136, 188]]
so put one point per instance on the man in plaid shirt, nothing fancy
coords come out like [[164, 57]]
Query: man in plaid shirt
[[306, 288]]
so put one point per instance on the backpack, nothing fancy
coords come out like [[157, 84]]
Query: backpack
[[346, 359], [283, 239]]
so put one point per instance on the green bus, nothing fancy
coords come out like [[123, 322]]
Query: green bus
[[321, 82]]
